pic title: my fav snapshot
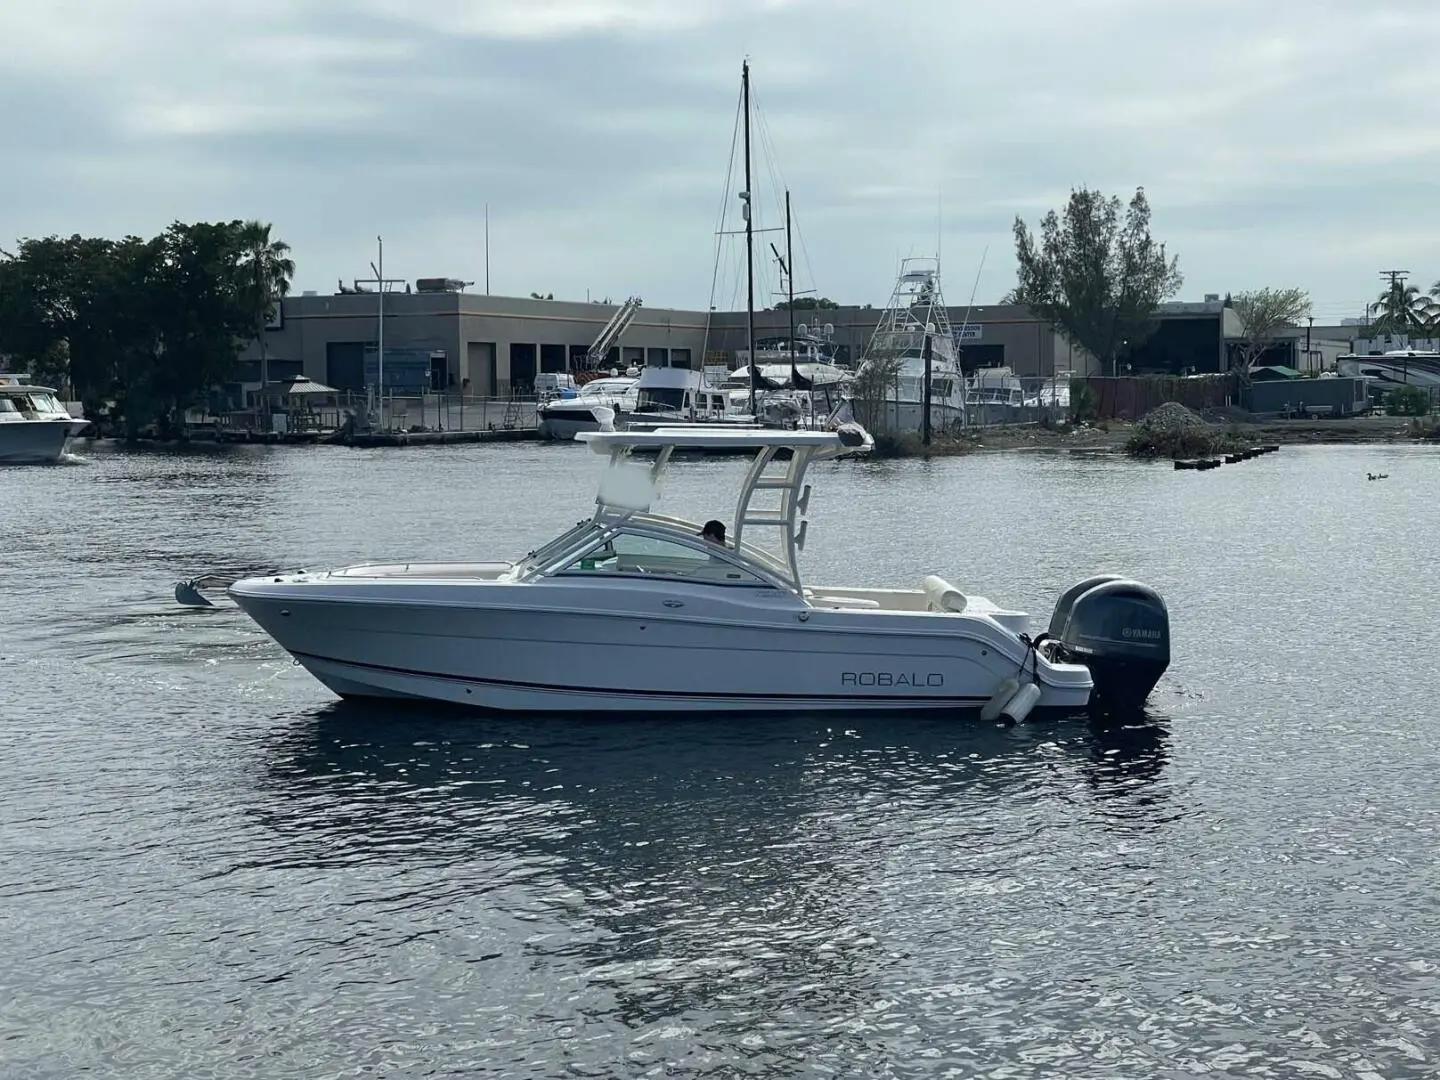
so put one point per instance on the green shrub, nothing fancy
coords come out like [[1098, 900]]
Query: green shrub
[[1182, 443], [1407, 401]]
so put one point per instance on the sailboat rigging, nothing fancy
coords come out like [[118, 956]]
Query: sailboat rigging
[[758, 392], [786, 261]]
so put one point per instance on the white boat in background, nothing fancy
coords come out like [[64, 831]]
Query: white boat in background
[[634, 610], [779, 401], [994, 395], [1053, 393], [35, 426], [598, 405], [675, 395], [915, 322]]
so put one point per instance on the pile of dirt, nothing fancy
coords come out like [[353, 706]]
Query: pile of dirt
[[1173, 431], [1171, 418]]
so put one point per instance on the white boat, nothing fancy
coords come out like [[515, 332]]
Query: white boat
[[632, 610], [995, 386], [994, 395], [780, 402], [597, 406], [35, 426], [1053, 393], [667, 395], [914, 322]]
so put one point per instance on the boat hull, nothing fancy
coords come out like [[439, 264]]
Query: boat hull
[[897, 417], [638, 648], [37, 442], [566, 423]]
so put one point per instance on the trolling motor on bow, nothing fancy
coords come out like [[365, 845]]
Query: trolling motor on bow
[[188, 592], [1120, 630]]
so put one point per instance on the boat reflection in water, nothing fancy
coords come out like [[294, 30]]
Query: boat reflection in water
[[669, 866]]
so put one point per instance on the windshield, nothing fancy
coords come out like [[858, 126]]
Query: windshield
[[572, 537], [663, 397], [606, 386]]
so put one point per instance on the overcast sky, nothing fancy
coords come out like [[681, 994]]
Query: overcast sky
[[1281, 142]]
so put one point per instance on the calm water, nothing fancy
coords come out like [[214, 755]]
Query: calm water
[[212, 869]]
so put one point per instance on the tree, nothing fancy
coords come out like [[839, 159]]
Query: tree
[[1262, 314], [539, 296], [1098, 280], [1404, 311], [269, 268], [808, 303], [875, 384], [1407, 400], [142, 329]]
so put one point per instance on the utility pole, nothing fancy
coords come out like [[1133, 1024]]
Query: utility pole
[[1397, 297]]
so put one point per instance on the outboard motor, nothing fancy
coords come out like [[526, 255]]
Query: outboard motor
[[1120, 630]]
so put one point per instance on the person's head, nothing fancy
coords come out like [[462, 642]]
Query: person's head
[[714, 531]]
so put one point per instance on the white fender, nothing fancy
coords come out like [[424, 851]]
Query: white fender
[[1003, 693], [1019, 706]]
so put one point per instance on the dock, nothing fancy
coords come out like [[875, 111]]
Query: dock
[[435, 438], [1203, 464]]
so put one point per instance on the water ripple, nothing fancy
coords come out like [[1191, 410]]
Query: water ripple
[[214, 870]]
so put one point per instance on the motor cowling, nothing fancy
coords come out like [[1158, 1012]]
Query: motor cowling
[[1120, 630]]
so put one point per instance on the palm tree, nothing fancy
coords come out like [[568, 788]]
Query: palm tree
[[268, 265], [1403, 311]]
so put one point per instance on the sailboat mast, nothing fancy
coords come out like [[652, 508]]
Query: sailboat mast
[[790, 274], [380, 330], [749, 241]]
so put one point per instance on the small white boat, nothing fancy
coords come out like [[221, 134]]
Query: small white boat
[[35, 427], [598, 405], [633, 610], [677, 395]]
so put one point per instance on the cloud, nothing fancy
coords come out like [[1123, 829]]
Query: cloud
[[1273, 147], [538, 19]]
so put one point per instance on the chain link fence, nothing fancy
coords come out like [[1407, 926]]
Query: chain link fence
[[328, 413]]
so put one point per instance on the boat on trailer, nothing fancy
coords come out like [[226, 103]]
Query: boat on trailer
[[633, 610]]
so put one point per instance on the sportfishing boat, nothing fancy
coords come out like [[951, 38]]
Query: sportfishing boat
[[35, 427], [635, 610], [913, 345]]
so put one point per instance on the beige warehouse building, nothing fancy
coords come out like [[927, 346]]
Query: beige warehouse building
[[494, 346]]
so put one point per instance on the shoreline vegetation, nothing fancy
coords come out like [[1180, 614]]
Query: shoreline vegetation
[[1141, 441], [142, 332]]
